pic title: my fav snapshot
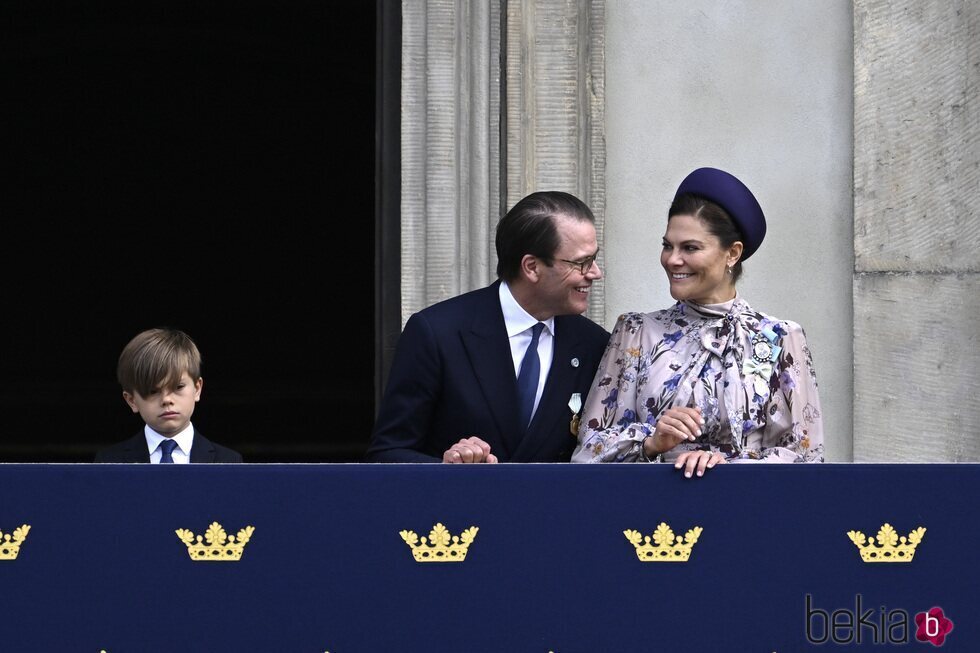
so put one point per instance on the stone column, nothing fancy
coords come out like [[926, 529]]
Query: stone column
[[555, 98], [450, 144], [917, 230], [499, 98]]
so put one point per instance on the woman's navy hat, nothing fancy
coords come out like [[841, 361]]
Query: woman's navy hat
[[729, 193]]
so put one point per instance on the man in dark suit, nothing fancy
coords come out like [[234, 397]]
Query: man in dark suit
[[160, 374], [456, 392]]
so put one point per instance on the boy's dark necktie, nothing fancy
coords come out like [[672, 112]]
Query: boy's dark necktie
[[527, 380], [166, 451]]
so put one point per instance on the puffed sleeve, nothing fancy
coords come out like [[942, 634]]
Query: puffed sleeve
[[794, 430], [611, 430]]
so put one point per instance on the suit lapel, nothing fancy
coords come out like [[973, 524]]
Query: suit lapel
[[202, 450], [137, 450], [486, 344], [553, 406]]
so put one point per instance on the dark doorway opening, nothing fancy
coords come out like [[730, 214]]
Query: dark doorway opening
[[209, 168]]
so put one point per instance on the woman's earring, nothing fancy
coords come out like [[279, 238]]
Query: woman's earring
[[729, 269]]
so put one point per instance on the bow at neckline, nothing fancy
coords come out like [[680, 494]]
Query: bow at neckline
[[722, 334]]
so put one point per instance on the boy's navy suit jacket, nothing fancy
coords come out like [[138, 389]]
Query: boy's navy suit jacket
[[134, 450], [453, 377]]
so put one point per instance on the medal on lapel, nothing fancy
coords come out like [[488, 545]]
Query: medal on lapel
[[575, 404], [759, 366]]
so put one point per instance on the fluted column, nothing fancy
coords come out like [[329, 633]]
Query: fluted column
[[450, 107], [499, 99], [554, 94]]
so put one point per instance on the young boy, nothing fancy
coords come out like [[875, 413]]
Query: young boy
[[160, 374]]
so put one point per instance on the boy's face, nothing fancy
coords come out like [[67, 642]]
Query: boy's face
[[168, 412]]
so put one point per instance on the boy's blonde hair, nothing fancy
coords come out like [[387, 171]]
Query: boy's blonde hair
[[157, 358]]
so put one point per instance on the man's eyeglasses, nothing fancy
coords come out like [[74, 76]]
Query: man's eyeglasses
[[583, 265]]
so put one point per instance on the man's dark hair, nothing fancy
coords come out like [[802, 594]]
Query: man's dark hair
[[529, 228]]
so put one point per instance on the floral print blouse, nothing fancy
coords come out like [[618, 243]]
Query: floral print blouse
[[750, 374]]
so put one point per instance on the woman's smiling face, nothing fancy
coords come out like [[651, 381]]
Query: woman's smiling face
[[696, 263]]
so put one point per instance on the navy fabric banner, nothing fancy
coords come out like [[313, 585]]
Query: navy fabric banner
[[549, 567]]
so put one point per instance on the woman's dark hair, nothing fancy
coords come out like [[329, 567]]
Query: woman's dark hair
[[715, 218], [529, 228]]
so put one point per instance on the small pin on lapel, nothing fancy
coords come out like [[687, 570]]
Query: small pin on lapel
[[574, 362]]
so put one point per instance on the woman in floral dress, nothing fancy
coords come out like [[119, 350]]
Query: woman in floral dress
[[709, 380]]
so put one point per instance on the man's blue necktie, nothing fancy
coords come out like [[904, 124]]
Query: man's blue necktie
[[527, 380], [166, 451]]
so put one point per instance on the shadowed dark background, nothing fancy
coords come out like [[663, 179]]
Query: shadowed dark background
[[209, 168]]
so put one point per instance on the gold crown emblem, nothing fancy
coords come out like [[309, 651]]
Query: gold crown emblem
[[220, 545], [441, 545], [10, 544], [890, 547], [666, 547]]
